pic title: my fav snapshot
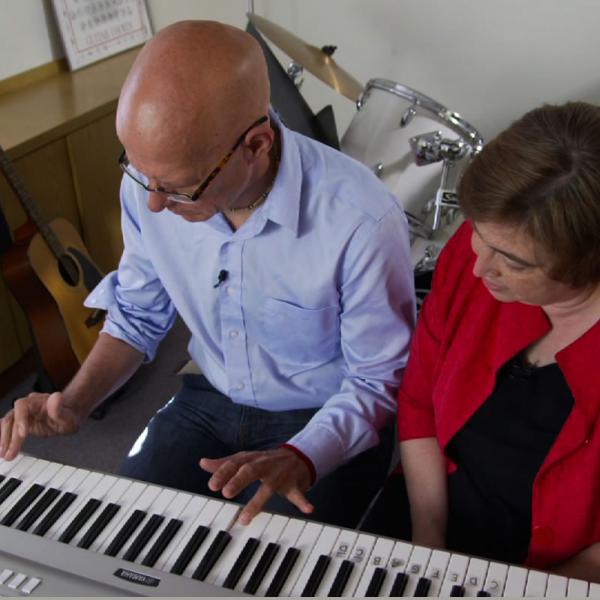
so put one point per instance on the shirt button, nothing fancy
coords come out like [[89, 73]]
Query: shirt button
[[231, 291], [240, 386], [234, 333], [542, 535]]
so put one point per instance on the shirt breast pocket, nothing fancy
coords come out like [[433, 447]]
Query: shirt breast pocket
[[298, 338]]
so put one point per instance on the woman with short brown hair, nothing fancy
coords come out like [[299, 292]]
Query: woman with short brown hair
[[498, 410]]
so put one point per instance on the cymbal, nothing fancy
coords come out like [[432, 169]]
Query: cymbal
[[315, 60]]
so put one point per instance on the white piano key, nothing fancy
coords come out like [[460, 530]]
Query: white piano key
[[132, 491], [475, 576], [62, 476], [516, 580], [173, 510], [94, 485], [415, 569], [436, 569], [455, 575], [81, 480], [360, 557], [223, 521], [536, 584], [157, 507], [206, 517], [557, 586], [296, 534], [271, 534], [189, 515], [340, 552], [577, 588], [594, 590], [379, 558], [495, 579], [240, 535], [102, 493], [143, 502], [6, 466], [323, 545], [58, 482], [397, 563], [304, 544], [28, 476]]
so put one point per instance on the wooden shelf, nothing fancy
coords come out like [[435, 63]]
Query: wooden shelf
[[50, 109]]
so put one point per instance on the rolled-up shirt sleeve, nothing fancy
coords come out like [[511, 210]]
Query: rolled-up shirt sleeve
[[377, 316], [139, 310]]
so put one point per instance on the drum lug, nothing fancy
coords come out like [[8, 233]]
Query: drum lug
[[408, 116]]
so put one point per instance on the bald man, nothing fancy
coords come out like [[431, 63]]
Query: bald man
[[289, 263]]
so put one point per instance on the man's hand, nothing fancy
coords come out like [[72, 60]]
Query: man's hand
[[279, 470], [42, 415]]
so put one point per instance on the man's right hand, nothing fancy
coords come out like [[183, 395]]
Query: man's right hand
[[41, 415]]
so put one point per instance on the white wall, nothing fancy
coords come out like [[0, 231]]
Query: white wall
[[489, 60]]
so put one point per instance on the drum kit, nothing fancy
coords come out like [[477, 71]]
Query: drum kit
[[416, 145]]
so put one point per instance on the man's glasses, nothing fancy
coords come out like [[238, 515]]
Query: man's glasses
[[182, 196]]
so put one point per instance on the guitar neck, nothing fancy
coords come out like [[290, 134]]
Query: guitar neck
[[29, 205]]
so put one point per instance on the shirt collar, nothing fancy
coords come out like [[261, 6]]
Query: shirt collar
[[283, 204]]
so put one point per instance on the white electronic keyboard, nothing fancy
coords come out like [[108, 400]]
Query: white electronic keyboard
[[72, 532]]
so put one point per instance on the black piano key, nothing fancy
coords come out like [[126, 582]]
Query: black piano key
[[265, 561], [8, 488], [38, 508], [137, 516], [483, 594], [99, 525], [377, 579], [399, 585], [1, 478], [163, 540], [80, 520], [283, 572], [250, 548], [22, 504], [422, 588], [457, 591], [149, 529], [55, 513], [310, 589], [190, 550], [341, 579], [212, 555]]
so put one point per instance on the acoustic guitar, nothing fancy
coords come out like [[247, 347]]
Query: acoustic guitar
[[50, 273]]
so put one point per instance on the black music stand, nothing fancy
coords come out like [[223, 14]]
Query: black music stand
[[289, 103]]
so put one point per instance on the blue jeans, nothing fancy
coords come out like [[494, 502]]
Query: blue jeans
[[200, 422]]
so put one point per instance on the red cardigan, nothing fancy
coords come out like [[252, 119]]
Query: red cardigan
[[463, 338]]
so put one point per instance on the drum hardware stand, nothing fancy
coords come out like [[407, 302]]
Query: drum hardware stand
[[430, 148]]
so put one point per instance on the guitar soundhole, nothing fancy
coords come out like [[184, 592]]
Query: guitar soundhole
[[68, 270]]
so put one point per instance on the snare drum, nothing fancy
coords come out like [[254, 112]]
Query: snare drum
[[382, 135]]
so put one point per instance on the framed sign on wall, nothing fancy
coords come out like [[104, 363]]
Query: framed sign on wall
[[95, 29]]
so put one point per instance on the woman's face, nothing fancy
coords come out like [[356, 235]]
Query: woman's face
[[512, 270]]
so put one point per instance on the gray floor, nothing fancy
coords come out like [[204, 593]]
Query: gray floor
[[102, 444]]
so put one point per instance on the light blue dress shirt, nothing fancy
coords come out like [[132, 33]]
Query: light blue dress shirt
[[317, 309]]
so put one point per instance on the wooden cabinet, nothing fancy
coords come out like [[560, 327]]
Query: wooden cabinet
[[59, 134]]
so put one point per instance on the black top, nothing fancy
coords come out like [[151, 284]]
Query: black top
[[499, 453]]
